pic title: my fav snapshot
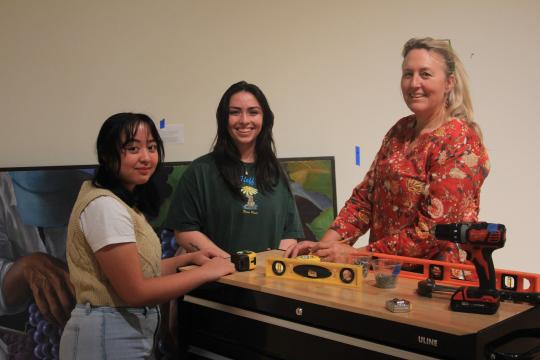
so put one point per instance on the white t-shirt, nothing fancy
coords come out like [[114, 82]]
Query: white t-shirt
[[105, 221]]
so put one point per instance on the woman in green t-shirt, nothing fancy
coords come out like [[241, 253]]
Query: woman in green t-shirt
[[237, 197]]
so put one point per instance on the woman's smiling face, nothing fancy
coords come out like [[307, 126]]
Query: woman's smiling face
[[138, 158], [425, 83], [245, 119]]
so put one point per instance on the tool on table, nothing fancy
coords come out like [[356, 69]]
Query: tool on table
[[429, 286], [312, 269], [532, 298], [398, 305], [479, 240], [244, 260]]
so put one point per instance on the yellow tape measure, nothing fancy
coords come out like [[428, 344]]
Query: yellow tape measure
[[244, 260]]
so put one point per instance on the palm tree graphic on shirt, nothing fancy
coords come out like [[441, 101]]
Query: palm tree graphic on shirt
[[249, 192]]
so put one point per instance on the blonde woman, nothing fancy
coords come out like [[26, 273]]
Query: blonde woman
[[429, 169]]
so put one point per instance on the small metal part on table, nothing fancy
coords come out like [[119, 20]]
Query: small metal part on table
[[385, 281], [398, 305]]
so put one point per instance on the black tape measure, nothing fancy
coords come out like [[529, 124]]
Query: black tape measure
[[244, 260]]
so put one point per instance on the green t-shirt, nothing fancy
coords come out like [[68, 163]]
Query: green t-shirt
[[203, 202]]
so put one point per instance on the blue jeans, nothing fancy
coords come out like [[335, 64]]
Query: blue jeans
[[110, 333]]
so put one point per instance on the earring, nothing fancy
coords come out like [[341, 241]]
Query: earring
[[449, 99]]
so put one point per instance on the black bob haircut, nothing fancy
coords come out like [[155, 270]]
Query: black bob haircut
[[116, 132]]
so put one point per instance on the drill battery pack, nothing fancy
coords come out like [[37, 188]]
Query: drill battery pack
[[472, 299]]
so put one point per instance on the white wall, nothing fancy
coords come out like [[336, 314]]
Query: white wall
[[330, 70]]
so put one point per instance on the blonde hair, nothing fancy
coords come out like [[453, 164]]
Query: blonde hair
[[458, 100]]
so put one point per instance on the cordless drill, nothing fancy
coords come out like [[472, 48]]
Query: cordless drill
[[479, 240]]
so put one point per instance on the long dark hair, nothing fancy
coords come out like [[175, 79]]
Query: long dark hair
[[226, 154], [109, 146]]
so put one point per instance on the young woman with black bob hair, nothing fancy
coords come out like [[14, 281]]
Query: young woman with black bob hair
[[144, 196], [237, 197], [114, 255]]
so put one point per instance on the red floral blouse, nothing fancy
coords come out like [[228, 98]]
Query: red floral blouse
[[410, 187]]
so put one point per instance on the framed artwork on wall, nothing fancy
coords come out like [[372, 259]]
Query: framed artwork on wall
[[35, 205]]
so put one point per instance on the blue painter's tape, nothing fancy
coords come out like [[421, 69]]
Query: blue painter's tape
[[357, 152], [396, 270], [161, 123]]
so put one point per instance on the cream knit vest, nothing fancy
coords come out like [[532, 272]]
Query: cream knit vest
[[91, 284]]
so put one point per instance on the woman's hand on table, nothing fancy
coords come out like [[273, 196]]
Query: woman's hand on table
[[202, 256], [301, 248], [217, 267], [333, 251], [284, 244]]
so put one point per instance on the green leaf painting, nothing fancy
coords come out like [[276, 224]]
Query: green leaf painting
[[313, 175], [320, 224]]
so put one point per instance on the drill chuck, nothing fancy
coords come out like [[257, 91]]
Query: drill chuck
[[451, 232]]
